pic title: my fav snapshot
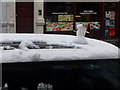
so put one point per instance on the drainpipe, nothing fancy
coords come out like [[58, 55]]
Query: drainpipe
[[39, 17]]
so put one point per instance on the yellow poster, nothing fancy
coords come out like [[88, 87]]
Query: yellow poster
[[65, 18]]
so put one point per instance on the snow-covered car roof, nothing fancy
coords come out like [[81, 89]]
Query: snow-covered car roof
[[49, 47]]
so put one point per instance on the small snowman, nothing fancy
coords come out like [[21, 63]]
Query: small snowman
[[81, 30], [80, 38]]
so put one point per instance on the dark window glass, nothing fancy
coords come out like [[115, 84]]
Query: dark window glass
[[88, 12]]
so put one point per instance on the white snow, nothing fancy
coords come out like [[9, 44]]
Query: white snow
[[95, 49], [23, 45]]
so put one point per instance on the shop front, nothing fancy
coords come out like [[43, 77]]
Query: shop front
[[99, 17]]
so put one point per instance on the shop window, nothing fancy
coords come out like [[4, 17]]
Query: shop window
[[110, 25], [63, 17], [59, 17], [59, 26], [87, 14]]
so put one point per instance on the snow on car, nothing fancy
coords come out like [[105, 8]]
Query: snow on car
[[50, 47]]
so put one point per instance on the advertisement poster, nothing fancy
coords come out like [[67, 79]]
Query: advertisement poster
[[110, 23], [65, 17], [93, 25], [110, 15], [59, 26]]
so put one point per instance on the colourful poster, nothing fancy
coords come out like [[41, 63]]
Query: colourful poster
[[65, 18], [59, 26], [110, 15], [92, 25], [110, 24]]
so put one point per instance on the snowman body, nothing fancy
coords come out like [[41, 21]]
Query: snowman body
[[80, 38]]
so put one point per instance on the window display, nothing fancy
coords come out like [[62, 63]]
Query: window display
[[59, 17], [65, 17], [92, 25], [59, 26], [110, 23], [100, 21]]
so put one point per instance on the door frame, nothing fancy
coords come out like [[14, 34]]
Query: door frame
[[32, 18]]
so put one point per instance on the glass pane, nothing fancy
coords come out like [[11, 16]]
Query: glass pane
[[87, 11]]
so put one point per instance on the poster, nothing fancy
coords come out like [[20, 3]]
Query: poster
[[59, 26], [110, 23], [110, 15], [65, 18], [92, 25]]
